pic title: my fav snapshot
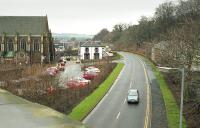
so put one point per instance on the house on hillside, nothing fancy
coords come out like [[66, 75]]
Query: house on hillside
[[91, 50], [26, 39]]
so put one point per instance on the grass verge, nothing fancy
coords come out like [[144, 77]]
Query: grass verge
[[172, 109], [88, 104]]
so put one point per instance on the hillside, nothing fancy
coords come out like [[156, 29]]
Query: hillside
[[68, 36]]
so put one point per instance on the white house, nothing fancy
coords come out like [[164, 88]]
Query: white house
[[91, 50]]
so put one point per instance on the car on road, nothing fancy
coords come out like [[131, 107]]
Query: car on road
[[133, 96]]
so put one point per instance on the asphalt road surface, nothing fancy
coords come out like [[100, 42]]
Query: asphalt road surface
[[113, 111]]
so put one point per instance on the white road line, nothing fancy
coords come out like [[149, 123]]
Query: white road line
[[98, 105], [130, 84], [118, 115], [124, 100]]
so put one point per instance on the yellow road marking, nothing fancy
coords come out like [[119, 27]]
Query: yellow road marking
[[147, 121]]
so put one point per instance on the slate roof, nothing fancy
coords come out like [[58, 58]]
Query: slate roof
[[92, 44], [23, 25]]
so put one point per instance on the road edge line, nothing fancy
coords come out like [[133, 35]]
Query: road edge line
[[148, 113]]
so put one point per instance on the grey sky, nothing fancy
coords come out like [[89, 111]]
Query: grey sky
[[81, 16]]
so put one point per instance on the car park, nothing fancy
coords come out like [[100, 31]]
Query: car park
[[133, 96]]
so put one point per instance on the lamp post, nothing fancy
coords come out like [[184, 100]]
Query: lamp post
[[182, 91]]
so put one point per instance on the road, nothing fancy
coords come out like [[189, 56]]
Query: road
[[113, 111]]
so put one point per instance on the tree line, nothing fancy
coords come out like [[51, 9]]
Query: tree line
[[176, 24]]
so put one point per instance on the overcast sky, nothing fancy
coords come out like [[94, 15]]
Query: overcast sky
[[81, 16]]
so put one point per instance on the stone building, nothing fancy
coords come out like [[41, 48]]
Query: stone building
[[25, 39]]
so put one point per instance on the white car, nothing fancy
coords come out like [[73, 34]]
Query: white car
[[92, 69], [133, 96], [81, 79]]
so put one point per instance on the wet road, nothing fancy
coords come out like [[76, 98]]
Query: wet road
[[113, 111]]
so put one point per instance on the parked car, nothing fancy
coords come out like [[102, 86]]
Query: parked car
[[82, 80], [72, 83], [92, 69], [89, 75], [62, 59], [133, 96], [52, 71], [61, 66], [77, 82]]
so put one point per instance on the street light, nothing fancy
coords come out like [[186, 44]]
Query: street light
[[182, 90]]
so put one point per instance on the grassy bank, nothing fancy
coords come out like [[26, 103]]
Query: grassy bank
[[87, 105], [172, 109]]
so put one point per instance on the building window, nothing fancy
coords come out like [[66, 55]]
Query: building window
[[22, 45], [86, 50], [36, 45], [96, 50], [10, 46]]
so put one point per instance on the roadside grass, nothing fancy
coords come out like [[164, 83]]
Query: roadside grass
[[88, 104], [172, 109]]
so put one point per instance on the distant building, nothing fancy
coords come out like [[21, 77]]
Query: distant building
[[91, 50], [26, 38]]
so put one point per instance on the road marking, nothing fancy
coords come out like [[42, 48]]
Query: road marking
[[147, 121], [98, 105], [118, 115], [124, 100], [130, 84]]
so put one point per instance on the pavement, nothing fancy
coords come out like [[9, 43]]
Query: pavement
[[16, 112], [113, 110], [159, 117]]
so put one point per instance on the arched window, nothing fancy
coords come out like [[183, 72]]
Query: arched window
[[36, 45], [22, 45], [10, 46]]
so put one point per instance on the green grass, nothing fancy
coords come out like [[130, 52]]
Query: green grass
[[87, 105], [172, 109]]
